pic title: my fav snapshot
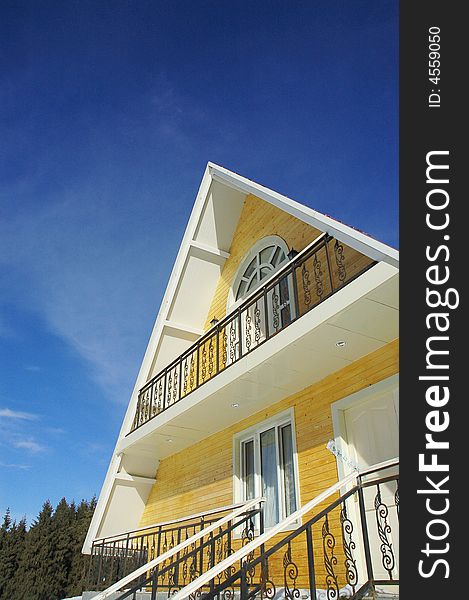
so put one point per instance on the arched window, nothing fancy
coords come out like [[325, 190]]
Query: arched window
[[260, 262]]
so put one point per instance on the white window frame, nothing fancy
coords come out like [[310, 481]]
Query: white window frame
[[269, 240], [253, 433]]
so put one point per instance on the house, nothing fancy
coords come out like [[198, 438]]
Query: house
[[259, 452]]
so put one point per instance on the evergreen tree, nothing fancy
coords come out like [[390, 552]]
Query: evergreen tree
[[11, 553], [80, 562], [32, 581], [45, 562]]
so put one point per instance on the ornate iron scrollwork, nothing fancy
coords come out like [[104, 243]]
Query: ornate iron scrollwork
[[160, 395], [384, 529], [396, 498], [268, 589], [306, 285], [349, 547], [275, 309], [211, 364], [204, 363], [247, 339], [224, 343], [318, 277], [169, 386], [175, 387], [247, 536], [186, 377], [257, 324], [340, 260], [290, 575], [192, 373], [233, 341], [330, 561]]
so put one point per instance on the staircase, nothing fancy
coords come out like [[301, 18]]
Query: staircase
[[341, 544]]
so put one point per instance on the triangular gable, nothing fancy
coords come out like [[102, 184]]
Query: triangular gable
[[203, 251]]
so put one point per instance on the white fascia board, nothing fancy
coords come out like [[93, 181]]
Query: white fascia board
[[353, 238]]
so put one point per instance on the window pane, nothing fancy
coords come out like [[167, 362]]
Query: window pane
[[279, 257], [269, 477], [266, 254], [265, 272], [288, 469], [248, 469]]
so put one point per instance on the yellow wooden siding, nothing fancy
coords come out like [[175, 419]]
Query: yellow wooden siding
[[258, 219]]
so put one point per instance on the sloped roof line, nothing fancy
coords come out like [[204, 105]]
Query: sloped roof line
[[345, 233]]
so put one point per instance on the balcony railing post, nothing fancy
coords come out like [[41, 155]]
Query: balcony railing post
[[217, 346], [329, 268], [164, 389], [310, 554], [240, 342], [180, 379], [296, 304], [243, 583], [150, 408], [266, 312], [201, 545], [154, 583], [364, 526]]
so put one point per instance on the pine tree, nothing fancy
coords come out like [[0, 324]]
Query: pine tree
[[32, 577], [45, 562], [11, 553], [80, 562], [5, 531]]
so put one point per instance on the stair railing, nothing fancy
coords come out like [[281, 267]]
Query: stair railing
[[177, 566], [360, 570], [115, 556]]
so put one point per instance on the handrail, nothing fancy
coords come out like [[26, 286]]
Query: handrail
[[249, 548], [213, 511], [172, 551]]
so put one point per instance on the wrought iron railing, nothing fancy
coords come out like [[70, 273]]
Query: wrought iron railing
[[320, 270], [192, 555], [114, 557], [347, 550]]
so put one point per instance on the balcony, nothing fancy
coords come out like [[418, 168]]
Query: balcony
[[312, 276]]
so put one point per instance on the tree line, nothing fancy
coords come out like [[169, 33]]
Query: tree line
[[44, 561]]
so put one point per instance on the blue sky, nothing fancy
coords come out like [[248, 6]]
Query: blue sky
[[109, 113]]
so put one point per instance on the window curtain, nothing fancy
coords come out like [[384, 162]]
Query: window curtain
[[269, 477]]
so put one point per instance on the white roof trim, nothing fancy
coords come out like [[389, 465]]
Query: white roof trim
[[355, 239]]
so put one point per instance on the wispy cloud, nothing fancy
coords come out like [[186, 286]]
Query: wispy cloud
[[14, 466], [29, 444], [93, 291], [7, 413], [32, 368]]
